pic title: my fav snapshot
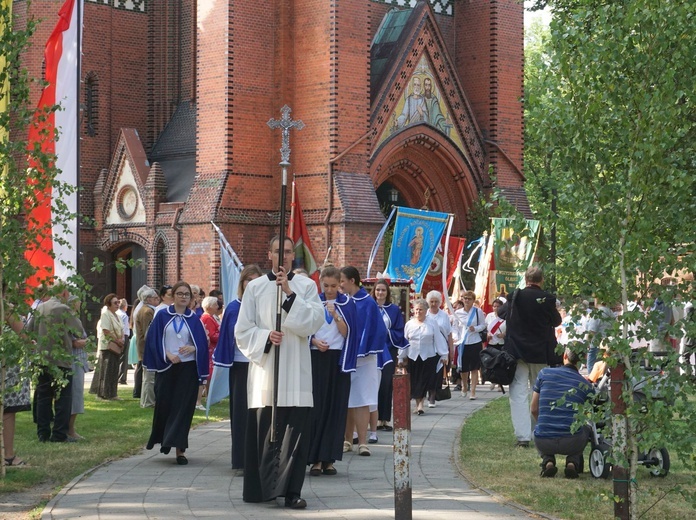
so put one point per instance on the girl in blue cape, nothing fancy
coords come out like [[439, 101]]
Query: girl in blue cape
[[394, 321], [228, 355], [372, 335], [334, 351], [176, 348]]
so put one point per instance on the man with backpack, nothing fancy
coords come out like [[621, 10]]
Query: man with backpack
[[531, 317]]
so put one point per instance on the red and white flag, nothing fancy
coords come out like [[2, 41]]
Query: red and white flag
[[297, 230], [62, 58]]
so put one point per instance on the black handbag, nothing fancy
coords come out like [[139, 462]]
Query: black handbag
[[444, 393]]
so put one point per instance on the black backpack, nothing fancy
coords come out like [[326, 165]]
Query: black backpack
[[497, 366]]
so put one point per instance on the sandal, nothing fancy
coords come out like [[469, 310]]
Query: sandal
[[315, 471], [347, 446], [15, 462], [329, 470], [364, 450]]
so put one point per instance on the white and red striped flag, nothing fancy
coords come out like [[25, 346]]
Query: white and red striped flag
[[55, 251]]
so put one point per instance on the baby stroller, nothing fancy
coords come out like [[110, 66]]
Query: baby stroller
[[656, 459]]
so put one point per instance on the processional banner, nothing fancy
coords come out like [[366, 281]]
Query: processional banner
[[417, 234], [433, 280], [513, 252]]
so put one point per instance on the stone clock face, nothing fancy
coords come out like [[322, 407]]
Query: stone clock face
[[127, 202]]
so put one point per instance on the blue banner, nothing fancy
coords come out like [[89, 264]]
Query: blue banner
[[417, 234]]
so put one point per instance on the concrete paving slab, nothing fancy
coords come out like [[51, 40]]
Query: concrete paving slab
[[151, 486]]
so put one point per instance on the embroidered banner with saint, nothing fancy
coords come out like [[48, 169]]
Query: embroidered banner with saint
[[417, 234]]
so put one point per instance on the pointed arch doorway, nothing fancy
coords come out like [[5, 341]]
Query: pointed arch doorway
[[421, 167], [130, 272]]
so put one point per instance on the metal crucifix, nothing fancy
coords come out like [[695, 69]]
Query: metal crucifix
[[285, 124]]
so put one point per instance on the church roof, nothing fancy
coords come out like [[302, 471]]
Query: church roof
[[175, 151], [387, 44], [356, 192]]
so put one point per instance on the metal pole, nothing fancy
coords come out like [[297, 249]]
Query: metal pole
[[403, 507], [279, 300], [285, 124]]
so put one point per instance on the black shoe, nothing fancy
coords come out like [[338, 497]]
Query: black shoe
[[522, 444], [549, 470], [295, 503], [571, 471], [181, 460], [67, 439]]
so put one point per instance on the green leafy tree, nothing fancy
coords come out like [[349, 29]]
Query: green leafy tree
[[25, 171], [611, 129]]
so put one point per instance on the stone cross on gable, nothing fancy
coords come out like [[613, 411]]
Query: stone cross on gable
[[285, 123]]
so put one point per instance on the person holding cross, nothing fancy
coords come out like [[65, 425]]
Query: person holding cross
[[277, 469]]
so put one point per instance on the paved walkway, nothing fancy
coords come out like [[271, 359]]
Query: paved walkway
[[150, 485]]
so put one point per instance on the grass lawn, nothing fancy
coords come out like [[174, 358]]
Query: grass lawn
[[112, 429], [490, 460]]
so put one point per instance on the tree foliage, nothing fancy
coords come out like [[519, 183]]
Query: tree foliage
[[610, 142], [26, 171]]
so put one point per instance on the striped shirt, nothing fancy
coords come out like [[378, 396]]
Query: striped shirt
[[556, 415]]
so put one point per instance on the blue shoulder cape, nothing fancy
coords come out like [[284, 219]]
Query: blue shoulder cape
[[223, 355], [155, 358], [370, 326], [349, 354]]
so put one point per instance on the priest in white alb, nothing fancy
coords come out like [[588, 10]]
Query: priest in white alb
[[278, 469]]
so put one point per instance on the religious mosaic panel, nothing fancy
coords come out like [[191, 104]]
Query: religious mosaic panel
[[421, 102], [439, 6]]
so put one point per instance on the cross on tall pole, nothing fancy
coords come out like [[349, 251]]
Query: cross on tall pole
[[285, 123]]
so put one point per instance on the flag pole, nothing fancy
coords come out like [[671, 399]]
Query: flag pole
[[285, 124]]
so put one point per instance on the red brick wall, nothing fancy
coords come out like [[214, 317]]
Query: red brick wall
[[489, 58]]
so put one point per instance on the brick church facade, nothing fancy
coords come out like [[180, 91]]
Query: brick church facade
[[414, 101]]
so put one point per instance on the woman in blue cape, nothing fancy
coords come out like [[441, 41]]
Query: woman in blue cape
[[394, 321], [334, 351], [176, 348], [227, 354], [364, 386]]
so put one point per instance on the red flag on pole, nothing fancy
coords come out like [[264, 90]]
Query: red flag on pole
[[297, 230], [55, 251]]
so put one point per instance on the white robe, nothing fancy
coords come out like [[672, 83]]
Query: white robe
[[257, 318]]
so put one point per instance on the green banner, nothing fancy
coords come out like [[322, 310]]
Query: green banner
[[514, 249]]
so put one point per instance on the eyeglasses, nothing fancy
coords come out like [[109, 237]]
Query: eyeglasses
[[468, 298], [183, 294]]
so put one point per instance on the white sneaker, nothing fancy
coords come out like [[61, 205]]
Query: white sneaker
[[464, 394], [372, 438], [431, 405]]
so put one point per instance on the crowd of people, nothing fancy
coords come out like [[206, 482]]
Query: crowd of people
[[310, 371]]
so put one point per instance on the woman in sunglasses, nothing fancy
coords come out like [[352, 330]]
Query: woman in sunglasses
[[176, 348]]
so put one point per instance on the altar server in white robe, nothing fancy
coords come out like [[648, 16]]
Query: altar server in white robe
[[278, 470]]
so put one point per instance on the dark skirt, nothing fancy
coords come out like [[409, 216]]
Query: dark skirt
[[109, 364], [276, 470], [470, 359], [238, 411], [423, 376], [176, 391], [386, 388], [331, 390]]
